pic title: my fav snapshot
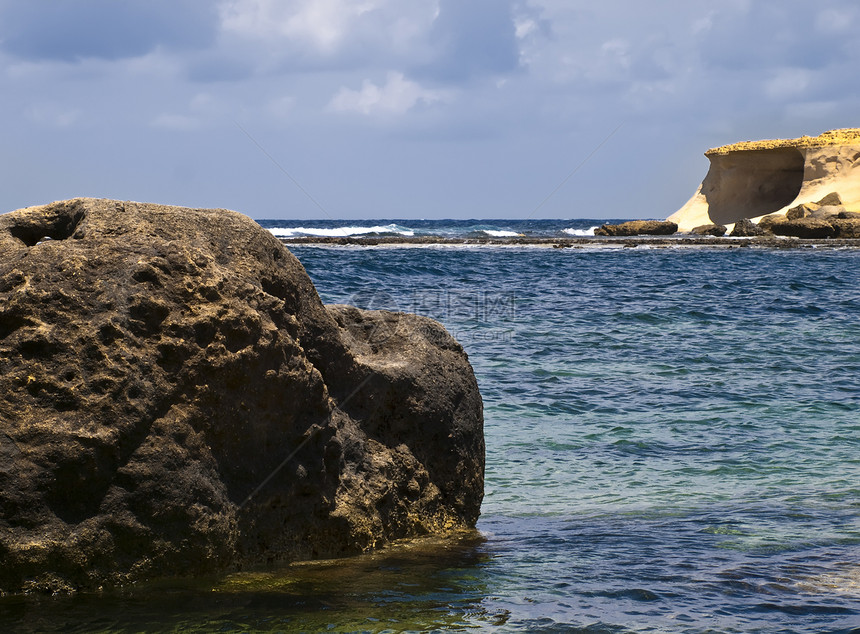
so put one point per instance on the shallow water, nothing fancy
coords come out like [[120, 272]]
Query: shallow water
[[673, 445]]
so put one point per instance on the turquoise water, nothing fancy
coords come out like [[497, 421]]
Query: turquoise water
[[673, 445], [673, 435]]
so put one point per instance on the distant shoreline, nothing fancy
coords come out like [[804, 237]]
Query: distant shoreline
[[661, 242]]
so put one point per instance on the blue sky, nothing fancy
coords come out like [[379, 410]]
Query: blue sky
[[409, 108]]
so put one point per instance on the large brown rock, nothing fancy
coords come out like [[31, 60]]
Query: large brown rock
[[808, 227], [848, 227], [745, 228], [802, 211], [831, 199], [176, 400], [767, 222], [830, 205], [709, 230], [638, 228]]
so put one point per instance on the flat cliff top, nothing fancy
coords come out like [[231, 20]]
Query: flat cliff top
[[844, 136]]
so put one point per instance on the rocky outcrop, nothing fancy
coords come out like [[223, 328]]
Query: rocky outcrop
[[801, 211], [638, 228], [176, 400], [746, 229], [841, 225], [846, 227], [766, 223], [803, 228], [752, 179], [709, 230]]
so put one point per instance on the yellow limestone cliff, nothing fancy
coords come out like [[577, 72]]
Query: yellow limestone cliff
[[756, 178]]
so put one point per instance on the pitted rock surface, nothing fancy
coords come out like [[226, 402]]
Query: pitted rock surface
[[176, 400]]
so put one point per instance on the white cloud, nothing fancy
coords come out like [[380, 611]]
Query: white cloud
[[524, 27], [549, 75], [326, 27], [321, 23], [397, 96]]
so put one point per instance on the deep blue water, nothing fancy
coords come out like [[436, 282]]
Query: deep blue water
[[673, 445]]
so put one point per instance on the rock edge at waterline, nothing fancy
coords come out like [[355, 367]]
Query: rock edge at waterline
[[176, 400]]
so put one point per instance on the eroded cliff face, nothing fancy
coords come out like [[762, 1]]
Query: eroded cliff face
[[756, 178], [176, 400]]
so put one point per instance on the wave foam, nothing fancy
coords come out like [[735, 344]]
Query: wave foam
[[582, 233], [500, 233], [340, 232]]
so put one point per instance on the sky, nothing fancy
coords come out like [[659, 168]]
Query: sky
[[409, 108]]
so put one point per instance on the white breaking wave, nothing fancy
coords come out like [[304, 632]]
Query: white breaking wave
[[581, 232], [339, 232], [499, 233]]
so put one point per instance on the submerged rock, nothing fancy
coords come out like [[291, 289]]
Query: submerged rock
[[638, 228], [176, 400]]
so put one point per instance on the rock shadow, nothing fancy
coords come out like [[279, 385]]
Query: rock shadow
[[753, 183]]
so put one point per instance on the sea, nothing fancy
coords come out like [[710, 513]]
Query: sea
[[673, 445], [466, 229]]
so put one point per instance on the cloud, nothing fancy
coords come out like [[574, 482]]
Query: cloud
[[761, 35], [788, 83], [837, 20], [703, 24], [396, 97], [617, 50], [443, 40], [321, 24], [331, 34], [522, 86], [474, 39], [104, 29]]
